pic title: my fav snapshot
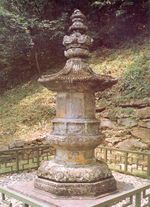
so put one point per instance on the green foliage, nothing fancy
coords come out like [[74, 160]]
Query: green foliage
[[119, 20], [22, 39], [119, 112], [32, 31], [47, 39], [136, 79], [130, 64], [14, 47]]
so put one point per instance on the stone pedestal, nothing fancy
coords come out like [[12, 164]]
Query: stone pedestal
[[74, 171], [45, 199]]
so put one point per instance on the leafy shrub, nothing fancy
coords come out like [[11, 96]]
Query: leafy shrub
[[32, 31], [136, 80]]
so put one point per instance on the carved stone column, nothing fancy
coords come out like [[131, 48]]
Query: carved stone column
[[74, 171]]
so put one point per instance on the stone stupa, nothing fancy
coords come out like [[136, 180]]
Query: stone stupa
[[74, 171]]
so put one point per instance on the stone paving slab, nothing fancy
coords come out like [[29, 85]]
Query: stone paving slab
[[27, 189]]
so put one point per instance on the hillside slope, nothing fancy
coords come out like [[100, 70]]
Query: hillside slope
[[130, 63]]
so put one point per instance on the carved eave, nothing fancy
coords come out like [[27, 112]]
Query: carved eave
[[79, 83]]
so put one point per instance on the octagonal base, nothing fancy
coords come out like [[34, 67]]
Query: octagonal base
[[76, 189], [93, 172]]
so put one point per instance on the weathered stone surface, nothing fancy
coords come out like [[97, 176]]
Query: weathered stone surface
[[12, 145], [17, 144], [130, 144], [139, 103], [105, 114], [69, 173], [117, 132], [76, 141], [144, 123], [4, 148], [127, 122], [100, 109], [23, 144], [143, 113], [77, 190], [114, 140], [142, 133], [106, 123]]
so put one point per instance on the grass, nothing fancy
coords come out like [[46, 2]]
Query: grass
[[116, 61], [130, 63], [26, 111], [135, 82]]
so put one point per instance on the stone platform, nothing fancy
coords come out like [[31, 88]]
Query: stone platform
[[27, 189], [83, 190]]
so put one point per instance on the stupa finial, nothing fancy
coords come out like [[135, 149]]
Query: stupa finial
[[78, 20], [78, 42]]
